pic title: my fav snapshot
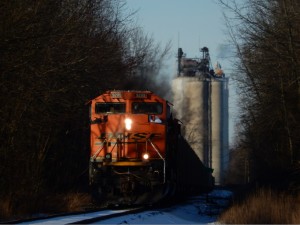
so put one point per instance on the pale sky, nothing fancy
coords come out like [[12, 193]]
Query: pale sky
[[191, 25]]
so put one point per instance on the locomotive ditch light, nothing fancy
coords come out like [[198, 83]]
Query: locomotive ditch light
[[128, 123], [145, 156], [108, 157]]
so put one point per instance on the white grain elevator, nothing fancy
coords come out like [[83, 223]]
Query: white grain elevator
[[200, 97]]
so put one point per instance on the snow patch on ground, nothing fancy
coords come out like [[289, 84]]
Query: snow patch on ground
[[202, 209], [196, 210]]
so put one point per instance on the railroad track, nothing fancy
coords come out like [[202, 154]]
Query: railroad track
[[209, 206], [80, 217]]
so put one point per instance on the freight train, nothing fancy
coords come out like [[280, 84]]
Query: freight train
[[138, 155]]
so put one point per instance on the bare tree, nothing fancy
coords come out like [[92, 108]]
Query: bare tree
[[149, 57], [266, 36], [56, 56]]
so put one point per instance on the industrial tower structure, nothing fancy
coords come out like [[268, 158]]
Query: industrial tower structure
[[201, 103]]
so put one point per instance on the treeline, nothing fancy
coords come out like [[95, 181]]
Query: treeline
[[266, 36], [56, 55]]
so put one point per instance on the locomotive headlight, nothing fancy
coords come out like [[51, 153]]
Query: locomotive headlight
[[128, 123], [146, 156]]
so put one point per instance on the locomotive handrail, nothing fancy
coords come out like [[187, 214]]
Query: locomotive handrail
[[100, 149], [97, 153], [155, 148], [114, 147]]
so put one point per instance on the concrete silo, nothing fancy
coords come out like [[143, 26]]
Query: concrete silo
[[189, 105], [219, 127], [200, 98]]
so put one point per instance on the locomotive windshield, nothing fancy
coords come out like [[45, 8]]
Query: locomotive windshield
[[110, 107], [147, 107]]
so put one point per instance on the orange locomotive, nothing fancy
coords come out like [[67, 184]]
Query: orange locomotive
[[137, 150]]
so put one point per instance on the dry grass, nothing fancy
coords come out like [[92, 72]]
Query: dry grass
[[26, 206], [5, 208], [264, 207], [76, 201]]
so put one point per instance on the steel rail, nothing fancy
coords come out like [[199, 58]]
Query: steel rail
[[61, 218], [109, 216]]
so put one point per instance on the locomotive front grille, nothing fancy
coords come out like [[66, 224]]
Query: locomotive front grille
[[126, 163]]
